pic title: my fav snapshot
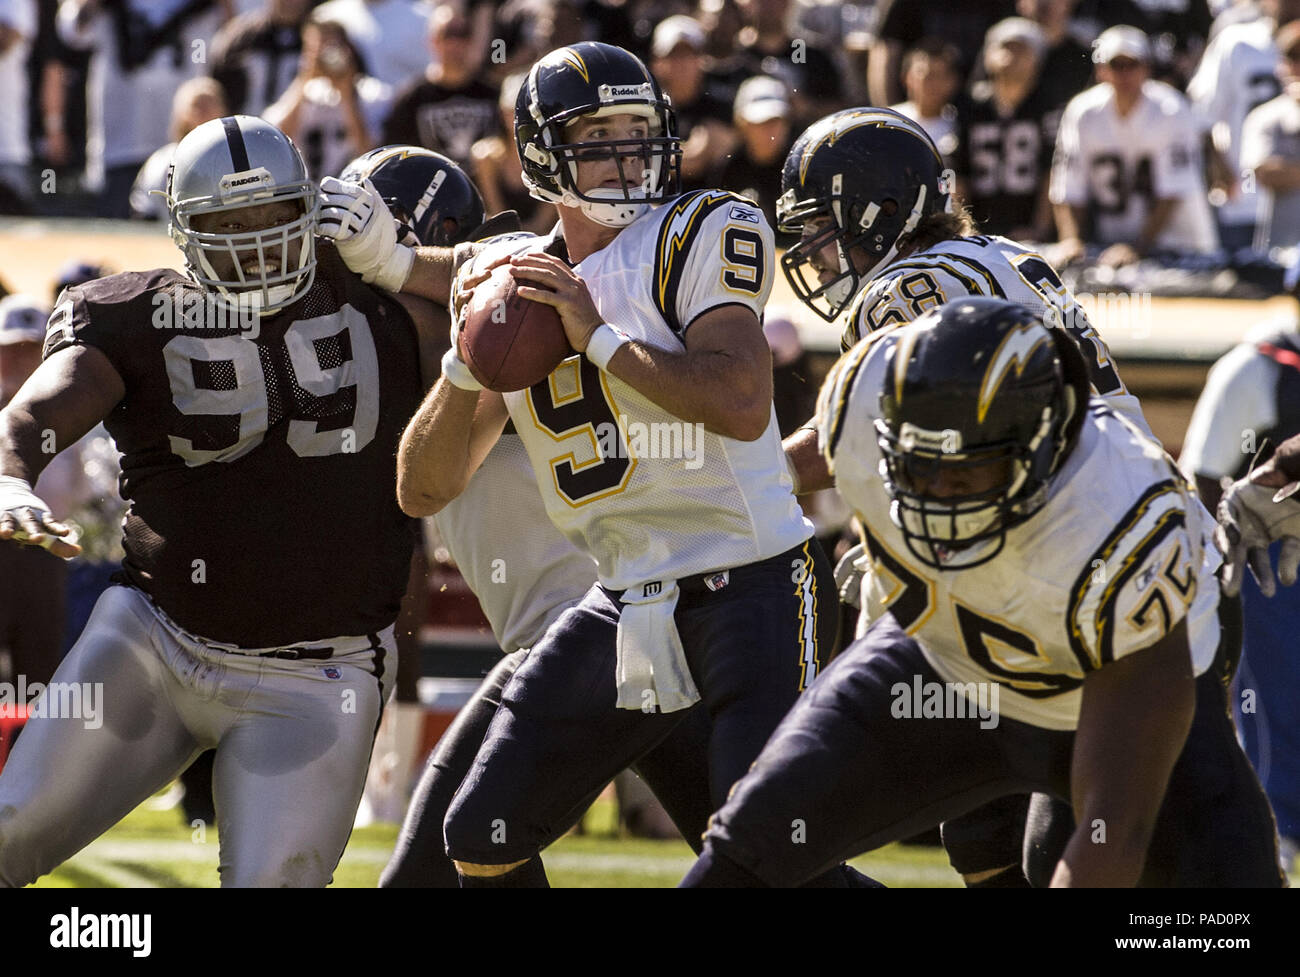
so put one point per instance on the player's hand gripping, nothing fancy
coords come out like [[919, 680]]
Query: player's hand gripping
[[354, 216], [25, 518], [561, 288], [1256, 511]]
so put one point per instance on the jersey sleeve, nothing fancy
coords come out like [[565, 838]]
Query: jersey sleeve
[[714, 248], [1258, 137], [1175, 159], [1141, 582], [1069, 183]]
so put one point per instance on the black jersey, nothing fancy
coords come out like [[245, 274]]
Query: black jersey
[[258, 462]]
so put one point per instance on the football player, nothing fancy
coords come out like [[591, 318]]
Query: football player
[[257, 401], [710, 586], [500, 515], [968, 439]]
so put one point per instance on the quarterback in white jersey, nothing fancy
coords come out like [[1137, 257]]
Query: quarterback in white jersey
[[1046, 612], [710, 587], [1128, 162]]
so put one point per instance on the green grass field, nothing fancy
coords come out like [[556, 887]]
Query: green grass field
[[152, 848]]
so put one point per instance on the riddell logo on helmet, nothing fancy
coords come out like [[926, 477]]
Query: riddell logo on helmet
[[609, 92]]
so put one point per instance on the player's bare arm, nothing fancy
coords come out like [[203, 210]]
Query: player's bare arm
[[1135, 716], [69, 393], [444, 444], [811, 473], [722, 380]]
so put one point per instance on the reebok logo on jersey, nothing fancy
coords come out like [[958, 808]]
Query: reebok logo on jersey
[[743, 214]]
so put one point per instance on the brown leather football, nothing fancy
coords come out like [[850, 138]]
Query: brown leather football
[[510, 342]]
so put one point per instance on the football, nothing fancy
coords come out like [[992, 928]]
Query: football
[[510, 342]]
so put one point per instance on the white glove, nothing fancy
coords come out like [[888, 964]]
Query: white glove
[[1249, 520], [25, 518], [354, 216], [853, 566]]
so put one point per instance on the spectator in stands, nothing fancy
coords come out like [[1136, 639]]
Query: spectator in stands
[[1253, 393], [1005, 136], [447, 108], [498, 173], [1270, 151], [724, 61], [17, 32], [902, 24], [255, 56], [810, 74], [197, 101], [389, 35], [1067, 63], [1128, 156], [1177, 30], [32, 599], [333, 108], [703, 119], [1239, 72], [762, 119], [140, 48], [931, 80]]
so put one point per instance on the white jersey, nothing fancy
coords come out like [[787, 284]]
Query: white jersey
[[649, 496], [1238, 71], [1117, 167], [523, 571], [128, 112], [992, 266], [1118, 555], [18, 16]]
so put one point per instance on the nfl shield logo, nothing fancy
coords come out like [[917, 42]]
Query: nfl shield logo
[[716, 581], [332, 671]]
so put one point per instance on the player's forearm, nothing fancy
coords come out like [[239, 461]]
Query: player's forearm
[[1278, 173], [1161, 213], [723, 390], [1147, 699], [807, 462], [1068, 221], [442, 446], [69, 393], [431, 275]]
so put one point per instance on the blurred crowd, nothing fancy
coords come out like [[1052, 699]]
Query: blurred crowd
[[1113, 129]]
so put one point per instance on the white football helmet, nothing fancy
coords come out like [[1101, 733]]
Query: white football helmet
[[242, 161]]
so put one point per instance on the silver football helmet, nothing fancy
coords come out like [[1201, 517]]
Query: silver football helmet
[[236, 162]]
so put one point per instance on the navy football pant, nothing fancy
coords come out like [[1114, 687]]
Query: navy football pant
[[842, 776], [676, 771], [558, 738]]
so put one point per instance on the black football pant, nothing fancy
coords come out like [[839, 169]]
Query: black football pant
[[854, 778], [557, 737], [676, 770]]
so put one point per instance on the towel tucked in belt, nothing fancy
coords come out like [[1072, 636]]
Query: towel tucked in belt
[[650, 653]]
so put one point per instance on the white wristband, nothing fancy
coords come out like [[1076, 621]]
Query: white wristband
[[603, 344], [457, 373]]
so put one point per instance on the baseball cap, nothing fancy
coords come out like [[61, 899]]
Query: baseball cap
[[761, 99], [1020, 29], [22, 319], [1121, 42], [673, 31]]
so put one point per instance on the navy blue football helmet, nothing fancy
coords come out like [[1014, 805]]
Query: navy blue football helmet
[[864, 178], [594, 80], [426, 192], [978, 387]]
